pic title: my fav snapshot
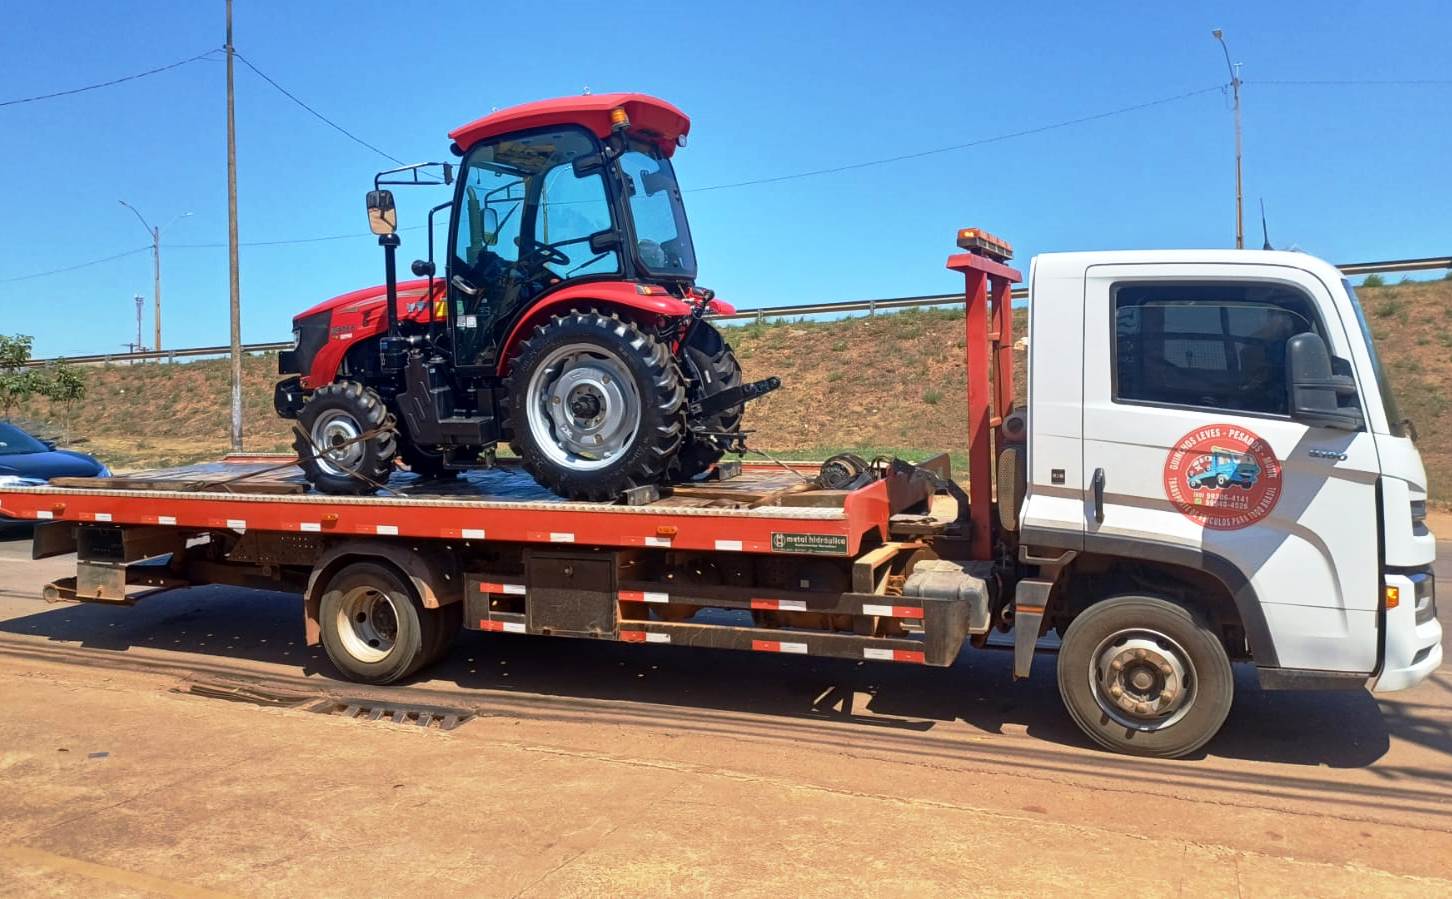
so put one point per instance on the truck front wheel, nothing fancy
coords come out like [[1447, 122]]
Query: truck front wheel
[[1144, 676], [375, 630]]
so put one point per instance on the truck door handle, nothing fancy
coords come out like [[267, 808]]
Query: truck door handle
[[1099, 495]]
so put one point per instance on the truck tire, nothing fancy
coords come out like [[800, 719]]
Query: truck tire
[[1145, 676], [713, 368], [337, 415], [373, 627], [595, 406]]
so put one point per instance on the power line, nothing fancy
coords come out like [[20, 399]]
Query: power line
[[1415, 82], [91, 87], [332, 124], [964, 146], [71, 268]]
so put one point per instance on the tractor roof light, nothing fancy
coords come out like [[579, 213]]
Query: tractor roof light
[[619, 121], [976, 240]]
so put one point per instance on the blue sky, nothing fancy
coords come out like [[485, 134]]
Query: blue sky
[[1348, 172]]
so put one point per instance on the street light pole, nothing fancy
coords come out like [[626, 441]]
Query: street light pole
[[154, 232], [1235, 90]]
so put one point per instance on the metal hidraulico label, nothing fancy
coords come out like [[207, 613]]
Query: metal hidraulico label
[[815, 544]]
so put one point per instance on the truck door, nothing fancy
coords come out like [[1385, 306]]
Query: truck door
[[1191, 458]]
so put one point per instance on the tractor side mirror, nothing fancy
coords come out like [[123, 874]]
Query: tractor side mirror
[[491, 226], [1316, 393], [382, 215]]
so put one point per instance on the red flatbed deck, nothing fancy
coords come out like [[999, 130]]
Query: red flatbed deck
[[764, 509]]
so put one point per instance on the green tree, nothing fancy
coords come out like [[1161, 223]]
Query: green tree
[[1374, 281], [64, 386], [18, 383]]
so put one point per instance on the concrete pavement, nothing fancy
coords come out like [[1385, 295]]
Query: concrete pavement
[[599, 768]]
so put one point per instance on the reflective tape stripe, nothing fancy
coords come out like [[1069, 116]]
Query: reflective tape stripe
[[496, 587], [160, 519], [658, 541], [643, 596], [784, 605], [508, 627], [891, 611], [729, 545], [473, 534], [102, 516], [234, 523], [310, 526], [643, 637], [45, 513], [561, 537], [778, 646], [387, 530], [893, 655]]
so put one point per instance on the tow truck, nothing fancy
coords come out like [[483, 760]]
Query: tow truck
[[1077, 518]]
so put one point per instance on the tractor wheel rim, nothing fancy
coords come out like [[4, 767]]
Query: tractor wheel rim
[[1142, 679], [367, 624], [335, 434], [584, 408]]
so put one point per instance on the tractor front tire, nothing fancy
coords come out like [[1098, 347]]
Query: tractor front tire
[[595, 406], [713, 368], [344, 446]]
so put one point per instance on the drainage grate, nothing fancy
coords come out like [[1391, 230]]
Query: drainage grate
[[425, 716], [413, 715]]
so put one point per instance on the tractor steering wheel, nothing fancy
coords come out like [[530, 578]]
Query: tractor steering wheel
[[542, 254]]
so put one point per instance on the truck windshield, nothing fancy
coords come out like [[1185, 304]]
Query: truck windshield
[[662, 237], [1395, 422]]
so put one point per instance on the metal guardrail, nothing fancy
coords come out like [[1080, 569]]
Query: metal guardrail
[[871, 307]]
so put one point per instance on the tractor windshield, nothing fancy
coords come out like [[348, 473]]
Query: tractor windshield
[[662, 237]]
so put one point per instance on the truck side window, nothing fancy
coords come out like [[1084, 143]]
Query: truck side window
[[1218, 346]]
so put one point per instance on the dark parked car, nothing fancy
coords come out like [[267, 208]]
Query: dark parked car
[[27, 462]]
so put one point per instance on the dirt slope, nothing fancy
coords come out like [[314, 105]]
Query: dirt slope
[[887, 383]]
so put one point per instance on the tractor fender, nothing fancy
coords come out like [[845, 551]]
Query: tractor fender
[[433, 572], [622, 296]]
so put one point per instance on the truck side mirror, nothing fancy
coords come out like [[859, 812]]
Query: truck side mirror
[[382, 215], [1315, 392]]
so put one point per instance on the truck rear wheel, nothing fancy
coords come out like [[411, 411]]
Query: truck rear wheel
[[1145, 676], [344, 446], [595, 406], [373, 627]]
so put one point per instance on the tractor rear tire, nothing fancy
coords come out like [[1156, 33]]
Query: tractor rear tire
[[336, 415], [713, 368], [595, 406]]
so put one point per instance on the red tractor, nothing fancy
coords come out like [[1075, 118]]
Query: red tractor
[[567, 321]]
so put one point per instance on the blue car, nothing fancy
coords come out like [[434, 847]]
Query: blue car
[[1221, 468], [28, 462]]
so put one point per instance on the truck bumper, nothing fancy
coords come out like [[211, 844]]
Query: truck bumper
[[1413, 634]]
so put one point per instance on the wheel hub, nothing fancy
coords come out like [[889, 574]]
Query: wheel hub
[[1142, 679], [335, 435], [586, 408], [367, 624]]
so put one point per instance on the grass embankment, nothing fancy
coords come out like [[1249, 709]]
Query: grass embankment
[[890, 384]]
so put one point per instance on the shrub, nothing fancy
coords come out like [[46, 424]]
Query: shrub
[[1374, 281]]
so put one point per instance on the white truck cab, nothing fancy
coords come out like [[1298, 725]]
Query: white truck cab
[[1218, 420]]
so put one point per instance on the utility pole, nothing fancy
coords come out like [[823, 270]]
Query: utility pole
[[232, 249], [155, 234], [1235, 90]]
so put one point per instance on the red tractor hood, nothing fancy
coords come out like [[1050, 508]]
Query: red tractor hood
[[409, 295]]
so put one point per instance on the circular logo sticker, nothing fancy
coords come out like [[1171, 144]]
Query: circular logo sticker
[[1223, 477]]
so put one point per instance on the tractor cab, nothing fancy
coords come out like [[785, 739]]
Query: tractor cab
[[553, 206], [565, 318]]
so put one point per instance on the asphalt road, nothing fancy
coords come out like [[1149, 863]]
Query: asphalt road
[[807, 774]]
